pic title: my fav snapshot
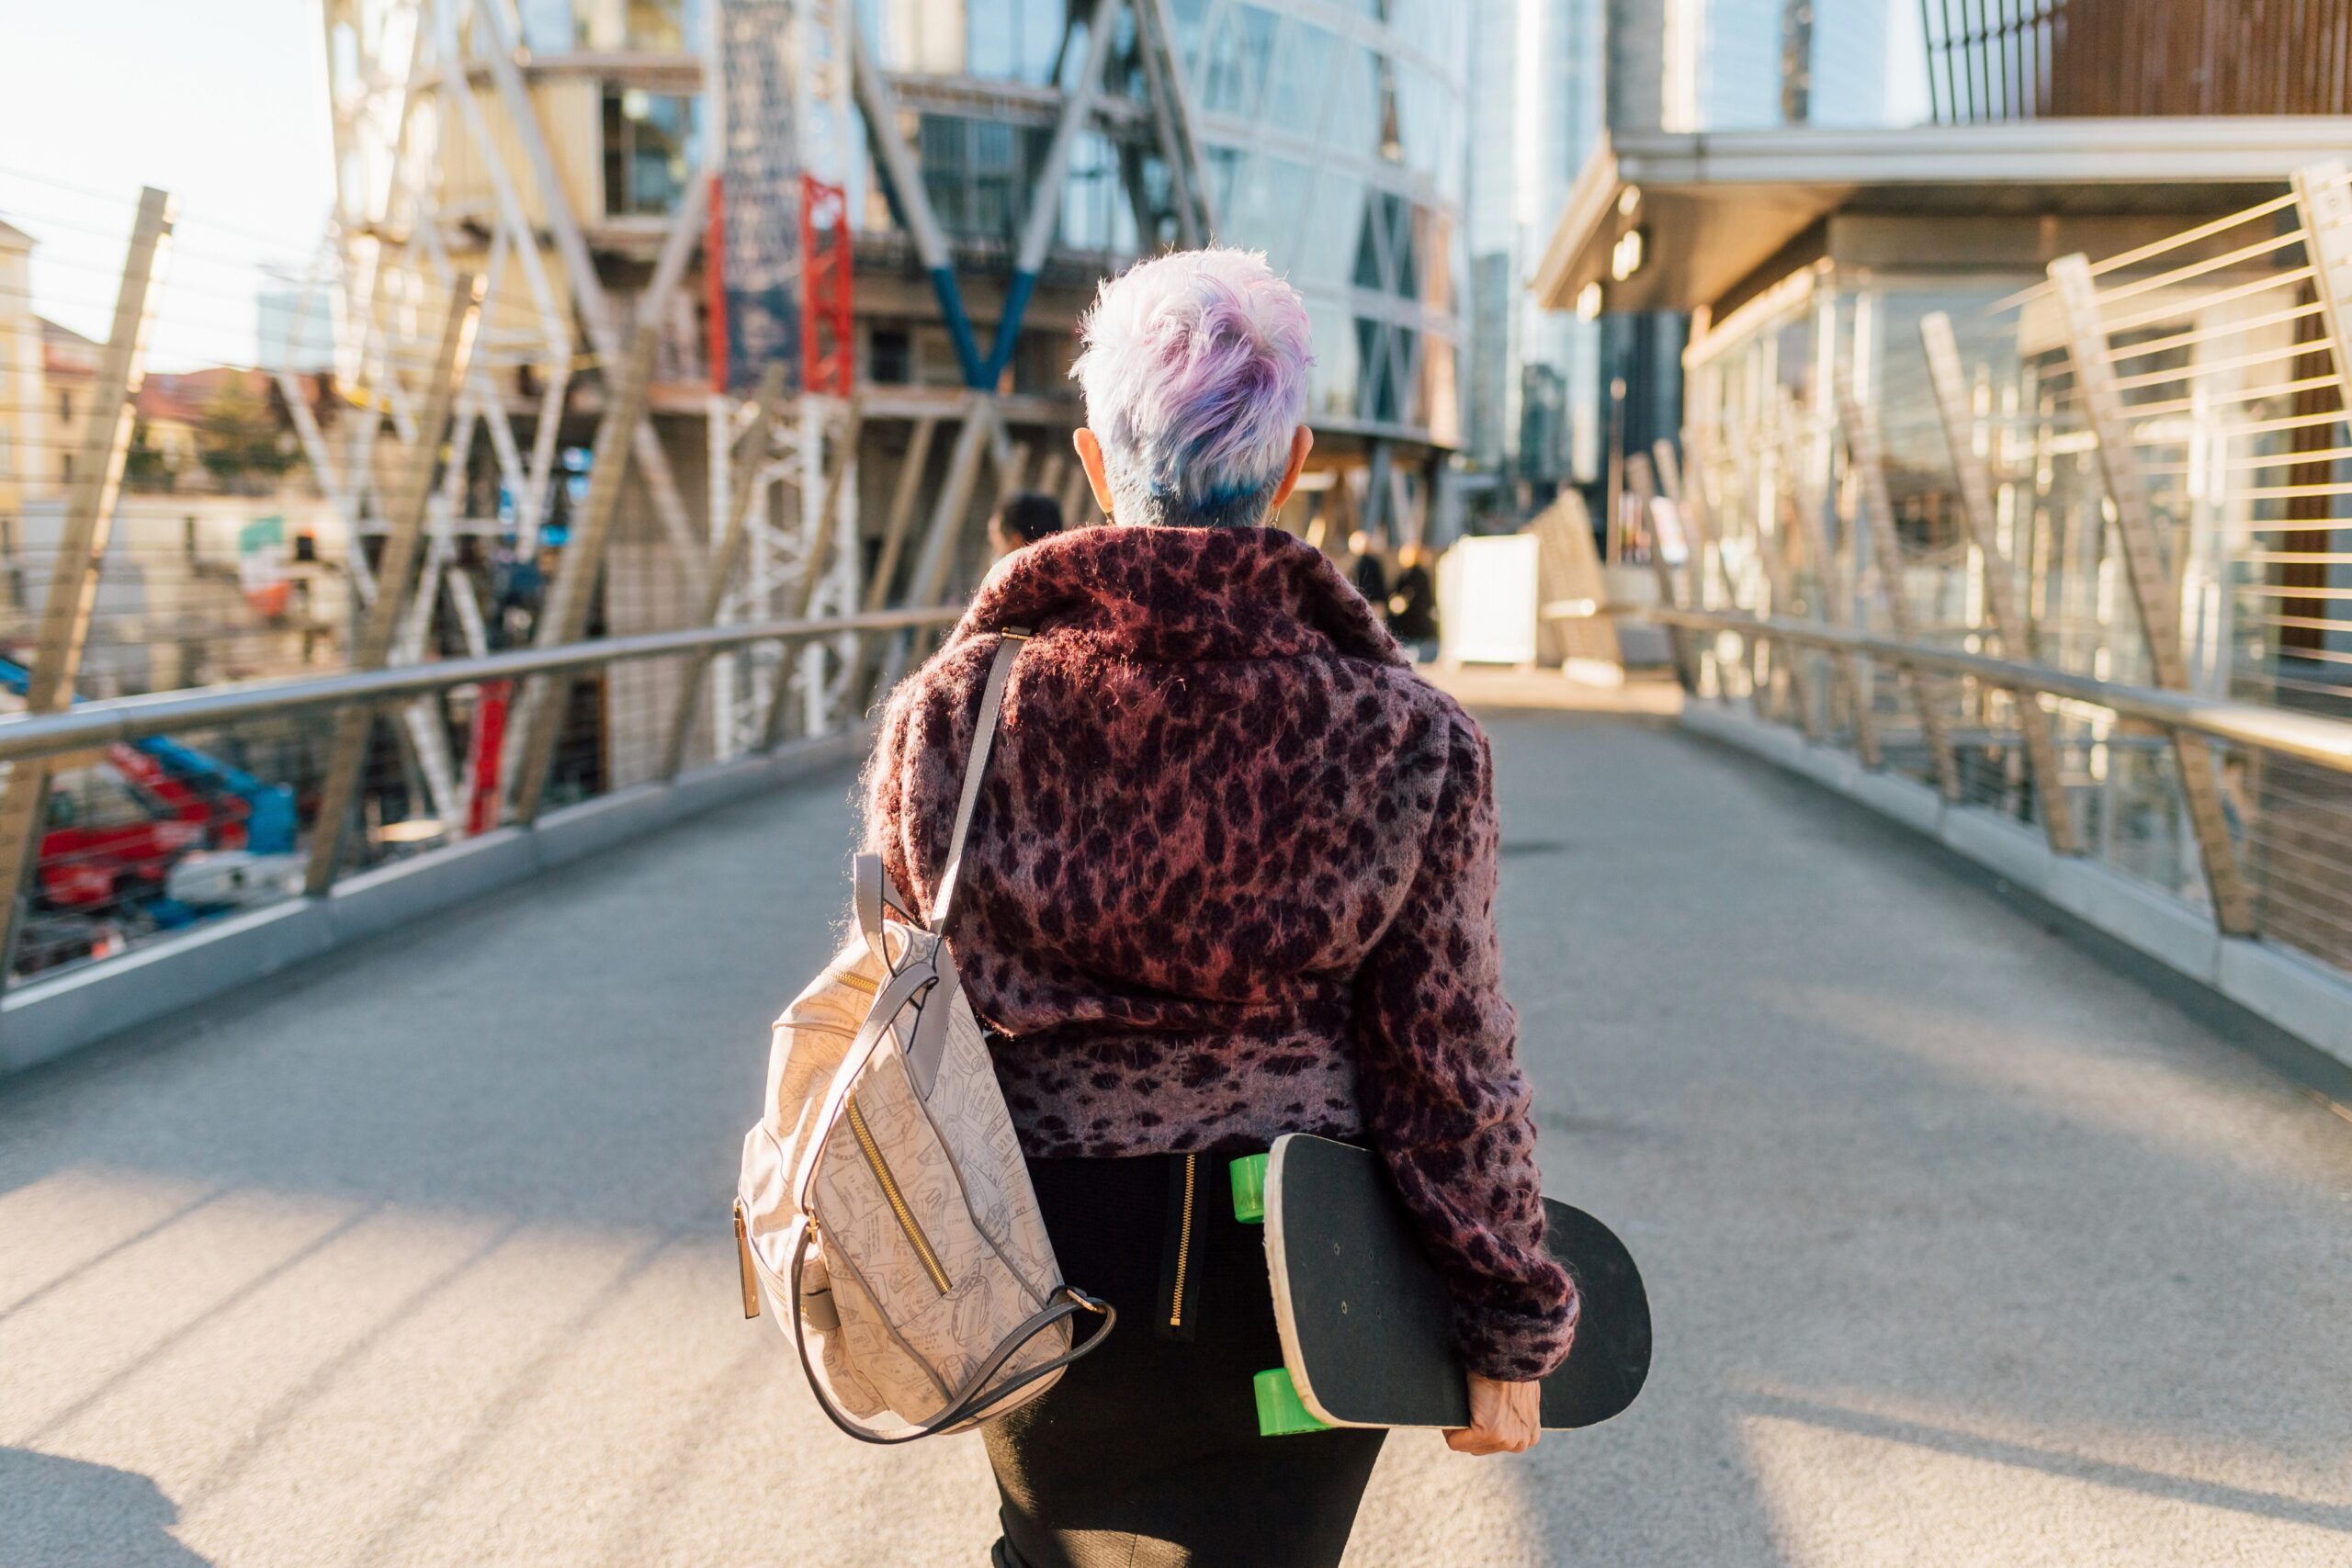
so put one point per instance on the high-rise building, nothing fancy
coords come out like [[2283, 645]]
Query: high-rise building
[[1534, 409]]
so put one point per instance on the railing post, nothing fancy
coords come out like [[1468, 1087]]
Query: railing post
[[2056, 808], [1863, 447], [742, 483], [404, 533], [565, 616], [1690, 506], [1770, 559], [2154, 595], [2326, 202], [1696, 504], [81, 550], [1806, 502], [1686, 660]]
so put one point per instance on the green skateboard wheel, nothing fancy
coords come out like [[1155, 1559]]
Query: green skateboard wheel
[[1280, 1414]]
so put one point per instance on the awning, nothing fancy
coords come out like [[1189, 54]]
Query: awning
[[1712, 207]]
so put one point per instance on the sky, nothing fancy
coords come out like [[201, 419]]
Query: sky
[[222, 103]]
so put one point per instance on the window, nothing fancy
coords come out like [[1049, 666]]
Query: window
[[65, 407], [977, 173], [1235, 65], [547, 26], [651, 144], [7, 459], [1020, 38], [1302, 72], [889, 356]]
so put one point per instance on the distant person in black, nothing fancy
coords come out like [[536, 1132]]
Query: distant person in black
[[1026, 517], [1412, 604], [1370, 578]]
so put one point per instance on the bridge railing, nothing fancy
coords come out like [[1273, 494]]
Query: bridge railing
[[240, 812], [2069, 548]]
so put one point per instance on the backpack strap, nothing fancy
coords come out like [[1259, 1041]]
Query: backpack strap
[[1008, 648], [976, 1395]]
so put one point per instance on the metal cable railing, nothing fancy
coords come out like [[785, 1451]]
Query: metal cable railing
[[232, 807], [2068, 551]]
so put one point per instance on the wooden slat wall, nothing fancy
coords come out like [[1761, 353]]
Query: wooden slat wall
[[2024, 58]]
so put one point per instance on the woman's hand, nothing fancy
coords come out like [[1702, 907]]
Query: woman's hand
[[1504, 1419]]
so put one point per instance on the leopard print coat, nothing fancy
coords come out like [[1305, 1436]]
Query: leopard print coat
[[1232, 874]]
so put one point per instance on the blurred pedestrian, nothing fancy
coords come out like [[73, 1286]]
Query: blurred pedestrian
[[1233, 867], [1026, 517], [1369, 576], [1412, 604]]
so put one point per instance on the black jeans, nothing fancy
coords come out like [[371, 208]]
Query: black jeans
[[1146, 1453]]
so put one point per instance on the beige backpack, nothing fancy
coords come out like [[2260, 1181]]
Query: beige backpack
[[884, 1209]]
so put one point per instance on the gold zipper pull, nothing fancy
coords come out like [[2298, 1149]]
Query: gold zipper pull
[[743, 1263], [1183, 1246]]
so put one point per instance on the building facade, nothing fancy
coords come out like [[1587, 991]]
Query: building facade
[[1534, 391], [1332, 138]]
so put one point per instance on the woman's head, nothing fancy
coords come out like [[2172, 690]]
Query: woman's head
[[1194, 370]]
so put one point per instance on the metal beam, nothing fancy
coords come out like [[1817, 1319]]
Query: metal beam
[[81, 548], [815, 562], [604, 325], [902, 511], [2325, 204], [2054, 807], [896, 163], [1044, 196], [566, 615], [743, 492], [2154, 593], [1868, 455], [1171, 116], [936, 560], [404, 537]]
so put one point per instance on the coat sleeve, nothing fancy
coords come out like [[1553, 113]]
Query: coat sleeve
[[1444, 1098]]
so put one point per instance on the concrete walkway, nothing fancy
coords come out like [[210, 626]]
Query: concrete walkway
[[1964, 1249]]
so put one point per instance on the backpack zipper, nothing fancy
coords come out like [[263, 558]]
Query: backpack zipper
[[1183, 1245], [743, 1263], [897, 1201]]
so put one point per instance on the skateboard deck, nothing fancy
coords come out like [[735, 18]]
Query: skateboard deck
[[1366, 1318]]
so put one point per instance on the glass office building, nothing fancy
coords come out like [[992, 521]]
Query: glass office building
[[1331, 135]]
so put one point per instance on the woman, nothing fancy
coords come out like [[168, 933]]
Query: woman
[[1232, 875]]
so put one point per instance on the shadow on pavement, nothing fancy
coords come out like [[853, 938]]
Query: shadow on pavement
[[57, 1511]]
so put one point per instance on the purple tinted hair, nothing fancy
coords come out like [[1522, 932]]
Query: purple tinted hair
[[1194, 369]]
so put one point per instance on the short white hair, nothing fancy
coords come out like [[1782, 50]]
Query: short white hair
[[1194, 369]]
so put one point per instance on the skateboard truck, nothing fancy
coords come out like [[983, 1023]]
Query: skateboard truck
[[1281, 1414]]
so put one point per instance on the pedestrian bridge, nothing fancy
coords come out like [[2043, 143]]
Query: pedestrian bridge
[[1977, 1231]]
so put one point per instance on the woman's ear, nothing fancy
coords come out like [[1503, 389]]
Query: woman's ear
[[1098, 479], [1302, 441]]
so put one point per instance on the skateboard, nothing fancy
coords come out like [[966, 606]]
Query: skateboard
[[1366, 1316]]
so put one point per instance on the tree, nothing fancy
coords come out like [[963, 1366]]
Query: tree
[[240, 440], [146, 467]]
